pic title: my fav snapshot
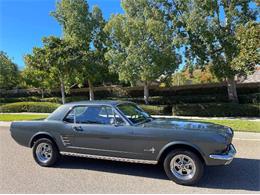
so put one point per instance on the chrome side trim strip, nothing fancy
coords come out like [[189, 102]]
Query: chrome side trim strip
[[94, 149], [109, 158]]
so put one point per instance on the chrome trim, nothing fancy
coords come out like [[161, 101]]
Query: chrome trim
[[109, 158], [103, 150], [65, 140], [227, 156]]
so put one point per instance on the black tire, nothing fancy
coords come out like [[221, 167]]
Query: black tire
[[196, 174], [52, 159]]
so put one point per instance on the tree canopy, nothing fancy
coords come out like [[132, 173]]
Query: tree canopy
[[141, 44], [9, 74], [209, 32], [57, 60], [85, 30]]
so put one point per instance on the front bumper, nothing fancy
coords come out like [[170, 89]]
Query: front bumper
[[226, 157]]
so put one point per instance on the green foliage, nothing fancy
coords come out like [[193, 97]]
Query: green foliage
[[34, 74], [209, 32], [9, 75], [41, 107], [157, 110], [141, 46], [84, 28], [211, 37], [75, 19], [53, 65], [216, 110], [248, 43]]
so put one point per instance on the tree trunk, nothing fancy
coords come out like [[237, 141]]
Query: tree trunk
[[42, 93], [91, 90], [232, 90], [62, 89], [146, 92]]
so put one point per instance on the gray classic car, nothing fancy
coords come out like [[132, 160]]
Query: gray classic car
[[122, 131]]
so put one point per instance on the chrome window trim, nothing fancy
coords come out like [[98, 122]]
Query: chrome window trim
[[93, 105]]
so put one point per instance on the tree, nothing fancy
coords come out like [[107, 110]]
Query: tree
[[141, 44], [9, 74], [84, 29], [34, 73], [93, 63], [57, 60], [248, 56], [209, 30]]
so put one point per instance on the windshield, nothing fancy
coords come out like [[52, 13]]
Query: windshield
[[134, 113]]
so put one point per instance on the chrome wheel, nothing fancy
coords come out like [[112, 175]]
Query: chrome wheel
[[44, 152], [183, 167]]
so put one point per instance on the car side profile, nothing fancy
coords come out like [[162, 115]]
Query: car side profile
[[122, 131]]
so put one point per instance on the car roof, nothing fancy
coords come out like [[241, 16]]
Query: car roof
[[60, 112], [99, 102]]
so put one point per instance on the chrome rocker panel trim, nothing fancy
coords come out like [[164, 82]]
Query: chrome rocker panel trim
[[227, 156], [109, 158]]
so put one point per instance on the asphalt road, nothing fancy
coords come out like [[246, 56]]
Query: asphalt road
[[20, 174]]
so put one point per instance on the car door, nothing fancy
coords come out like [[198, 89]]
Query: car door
[[96, 132]]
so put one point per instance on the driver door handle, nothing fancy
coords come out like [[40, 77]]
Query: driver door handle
[[77, 128]]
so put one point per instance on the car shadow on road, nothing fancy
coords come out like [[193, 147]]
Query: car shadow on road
[[241, 174]]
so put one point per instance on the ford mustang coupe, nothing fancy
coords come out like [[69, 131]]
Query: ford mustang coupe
[[122, 131]]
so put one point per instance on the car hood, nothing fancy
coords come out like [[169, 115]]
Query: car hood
[[180, 124]]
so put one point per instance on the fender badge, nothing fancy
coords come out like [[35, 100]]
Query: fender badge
[[150, 150]]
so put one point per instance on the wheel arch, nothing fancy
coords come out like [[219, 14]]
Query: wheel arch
[[180, 145], [41, 135]]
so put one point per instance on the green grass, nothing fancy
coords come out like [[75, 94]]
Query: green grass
[[236, 125], [20, 117]]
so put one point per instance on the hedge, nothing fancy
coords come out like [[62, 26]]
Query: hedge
[[217, 110], [43, 107], [121, 91], [157, 110]]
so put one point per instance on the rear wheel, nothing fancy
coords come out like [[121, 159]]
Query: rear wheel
[[45, 152], [183, 167]]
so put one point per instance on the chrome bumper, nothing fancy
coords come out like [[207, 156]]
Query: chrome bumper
[[228, 156]]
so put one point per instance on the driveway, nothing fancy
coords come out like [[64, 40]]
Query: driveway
[[20, 174]]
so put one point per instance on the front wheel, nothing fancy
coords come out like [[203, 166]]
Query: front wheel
[[183, 167], [45, 152]]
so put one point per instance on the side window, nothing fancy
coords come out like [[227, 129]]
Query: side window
[[74, 113], [91, 115]]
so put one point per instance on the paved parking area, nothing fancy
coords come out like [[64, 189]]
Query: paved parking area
[[20, 174]]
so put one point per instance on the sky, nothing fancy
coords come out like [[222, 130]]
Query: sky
[[23, 23]]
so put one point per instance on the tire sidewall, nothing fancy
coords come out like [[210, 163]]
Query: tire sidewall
[[197, 161], [55, 152]]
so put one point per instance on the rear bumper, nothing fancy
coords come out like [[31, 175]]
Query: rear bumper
[[226, 157]]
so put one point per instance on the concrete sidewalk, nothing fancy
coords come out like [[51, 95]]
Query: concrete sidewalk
[[250, 136]]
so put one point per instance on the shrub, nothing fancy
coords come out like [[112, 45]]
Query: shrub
[[157, 110], [20, 99], [253, 98], [216, 110], [42, 107]]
